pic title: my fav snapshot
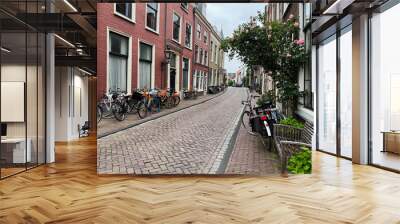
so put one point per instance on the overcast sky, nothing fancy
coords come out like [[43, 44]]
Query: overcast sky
[[229, 16]]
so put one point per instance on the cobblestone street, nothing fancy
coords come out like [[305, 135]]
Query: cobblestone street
[[196, 140]]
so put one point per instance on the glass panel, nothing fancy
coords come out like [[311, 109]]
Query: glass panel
[[119, 44], [185, 73], [327, 96], [188, 37], [146, 52], [124, 9], [151, 18], [177, 24], [32, 98], [41, 99], [13, 79], [385, 89], [346, 94], [117, 78]]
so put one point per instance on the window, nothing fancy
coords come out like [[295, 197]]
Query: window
[[125, 10], [201, 56], [307, 13], [176, 28], [212, 50], [196, 53], [216, 55], [308, 95], [118, 62], [198, 31], [205, 37], [151, 16], [145, 65], [185, 72], [327, 98], [188, 37], [205, 58], [185, 5]]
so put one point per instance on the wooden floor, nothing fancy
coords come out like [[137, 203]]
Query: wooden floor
[[70, 191]]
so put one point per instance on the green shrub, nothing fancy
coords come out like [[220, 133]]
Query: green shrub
[[300, 163], [292, 122], [267, 97], [231, 83]]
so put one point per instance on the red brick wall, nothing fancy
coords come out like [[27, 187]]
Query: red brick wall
[[137, 31], [107, 18], [200, 42], [186, 17]]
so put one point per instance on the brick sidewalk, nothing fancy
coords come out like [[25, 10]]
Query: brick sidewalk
[[250, 157], [109, 126]]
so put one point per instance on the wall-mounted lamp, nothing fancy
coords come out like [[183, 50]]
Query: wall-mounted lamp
[[168, 54]]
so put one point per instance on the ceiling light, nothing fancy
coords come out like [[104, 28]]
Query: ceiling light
[[5, 50], [70, 5], [338, 6], [84, 71], [64, 40]]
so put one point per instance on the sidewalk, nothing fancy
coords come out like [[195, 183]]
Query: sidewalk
[[249, 156], [110, 126]]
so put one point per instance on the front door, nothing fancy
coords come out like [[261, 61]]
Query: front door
[[172, 75]]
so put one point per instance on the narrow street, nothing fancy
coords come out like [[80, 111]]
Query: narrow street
[[196, 140]]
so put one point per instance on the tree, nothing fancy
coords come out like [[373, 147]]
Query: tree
[[274, 47]]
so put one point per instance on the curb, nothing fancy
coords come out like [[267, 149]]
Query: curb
[[231, 145], [156, 117]]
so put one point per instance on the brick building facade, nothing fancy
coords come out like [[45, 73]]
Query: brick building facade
[[133, 39]]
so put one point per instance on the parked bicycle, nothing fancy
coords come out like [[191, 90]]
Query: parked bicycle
[[136, 102], [112, 105], [189, 94], [260, 119]]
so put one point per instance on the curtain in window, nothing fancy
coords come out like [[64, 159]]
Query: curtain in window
[[151, 19], [145, 62], [117, 79]]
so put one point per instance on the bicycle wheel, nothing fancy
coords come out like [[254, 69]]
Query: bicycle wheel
[[99, 114], [177, 100], [246, 119], [119, 112], [141, 110], [170, 102]]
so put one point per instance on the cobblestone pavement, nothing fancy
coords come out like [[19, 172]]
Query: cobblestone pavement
[[251, 157], [191, 141], [107, 126]]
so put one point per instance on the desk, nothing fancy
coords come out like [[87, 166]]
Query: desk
[[391, 141], [13, 150]]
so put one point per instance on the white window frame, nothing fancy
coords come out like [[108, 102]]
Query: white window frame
[[133, 19], [157, 31], [198, 28], [191, 36], [153, 67], [180, 27], [129, 64], [205, 34], [189, 67]]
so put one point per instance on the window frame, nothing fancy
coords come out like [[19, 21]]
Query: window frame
[[191, 36], [180, 27], [157, 30], [198, 31], [133, 8], [129, 59], [152, 75]]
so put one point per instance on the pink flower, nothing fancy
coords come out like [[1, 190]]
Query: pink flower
[[299, 42], [296, 24], [291, 16]]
